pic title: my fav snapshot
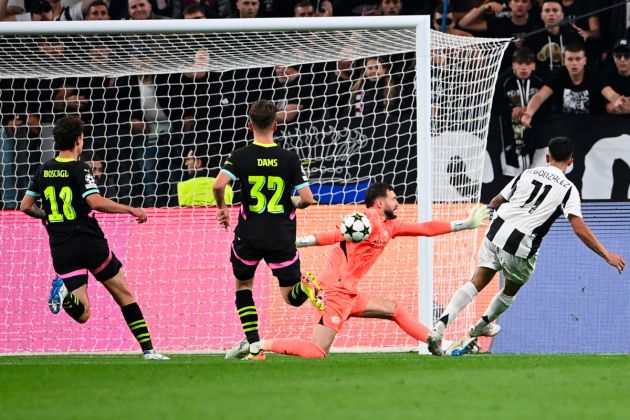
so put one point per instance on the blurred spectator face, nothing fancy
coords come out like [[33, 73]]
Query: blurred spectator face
[[286, 75], [519, 8], [97, 170], [247, 8], [524, 70], [575, 62], [622, 62], [41, 11], [391, 7], [373, 70], [191, 162], [437, 21], [41, 17], [304, 10], [325, 9], [97, 12], [551, 13], [139, 9], [198, 14]]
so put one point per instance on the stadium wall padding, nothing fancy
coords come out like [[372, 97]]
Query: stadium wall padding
[[575, 302]]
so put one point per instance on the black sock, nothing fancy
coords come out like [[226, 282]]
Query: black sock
[[297, 296], [73, 306], [137, 325], [246, 309]]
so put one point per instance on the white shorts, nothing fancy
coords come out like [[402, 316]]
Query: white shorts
[[515, 269]]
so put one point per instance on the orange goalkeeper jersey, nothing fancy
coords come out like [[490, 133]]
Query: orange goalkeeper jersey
[[348, 262]]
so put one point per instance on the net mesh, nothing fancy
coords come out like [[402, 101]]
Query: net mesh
[[346, 103]]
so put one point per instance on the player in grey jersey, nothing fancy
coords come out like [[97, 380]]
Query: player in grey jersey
[[525, 210]]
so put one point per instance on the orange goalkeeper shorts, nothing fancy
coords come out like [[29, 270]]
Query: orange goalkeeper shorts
[[339, 307]]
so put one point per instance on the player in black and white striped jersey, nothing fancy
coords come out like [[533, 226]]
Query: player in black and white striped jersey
[[525, 210]]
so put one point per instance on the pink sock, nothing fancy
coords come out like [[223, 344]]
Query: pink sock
[[410, 325], [297, 347]]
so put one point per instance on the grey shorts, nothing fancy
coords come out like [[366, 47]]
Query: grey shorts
[[515, 269]]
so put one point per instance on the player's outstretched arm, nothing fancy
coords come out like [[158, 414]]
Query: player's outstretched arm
[[105, 205], [587, 236], [319, 239], [477, 217], [29, 206]]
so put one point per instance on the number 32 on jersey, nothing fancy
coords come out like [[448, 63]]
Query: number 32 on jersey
[[270, 183]]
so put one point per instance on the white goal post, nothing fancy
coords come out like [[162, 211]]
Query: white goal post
[[360, 100]]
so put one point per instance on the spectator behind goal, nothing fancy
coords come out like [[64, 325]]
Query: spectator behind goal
[[196, 189]]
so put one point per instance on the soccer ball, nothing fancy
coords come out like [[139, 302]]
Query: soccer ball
[[355, 227]]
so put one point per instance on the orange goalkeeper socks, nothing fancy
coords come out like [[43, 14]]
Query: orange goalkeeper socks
[[295, 347], [410, 325]]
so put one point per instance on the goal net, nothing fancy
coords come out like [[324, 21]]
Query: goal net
[[348, 106]]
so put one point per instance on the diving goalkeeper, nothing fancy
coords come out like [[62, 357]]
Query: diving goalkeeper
[[348, 263]]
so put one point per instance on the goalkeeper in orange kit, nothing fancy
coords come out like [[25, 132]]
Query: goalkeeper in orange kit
[[348, 263]]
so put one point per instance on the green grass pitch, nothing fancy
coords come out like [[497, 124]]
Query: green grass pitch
[[343, 386]]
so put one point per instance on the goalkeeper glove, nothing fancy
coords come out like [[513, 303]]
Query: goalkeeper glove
[[477, 216]]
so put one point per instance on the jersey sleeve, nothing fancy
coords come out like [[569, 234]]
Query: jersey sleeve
[[573, 204], [229, 167], [421, 229], [84, 180], [329, 238], [299, 177], [33, 188], [509, 189]]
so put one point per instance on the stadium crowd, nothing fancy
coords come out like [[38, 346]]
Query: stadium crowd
[[144, 133]]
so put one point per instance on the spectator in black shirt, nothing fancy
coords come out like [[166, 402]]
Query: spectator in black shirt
[[549, 45], [497, 25], [586, 27], [575, 90], [619, 77], [515, 88]]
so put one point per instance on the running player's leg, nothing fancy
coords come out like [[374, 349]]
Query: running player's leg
[[244, 261], [461, 298], [75, 298], [294, 287], [517, 272], [499, 304], [382, 308], [465, 294], [77, 304], [69, 289], [110, 273], [488, 265]]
